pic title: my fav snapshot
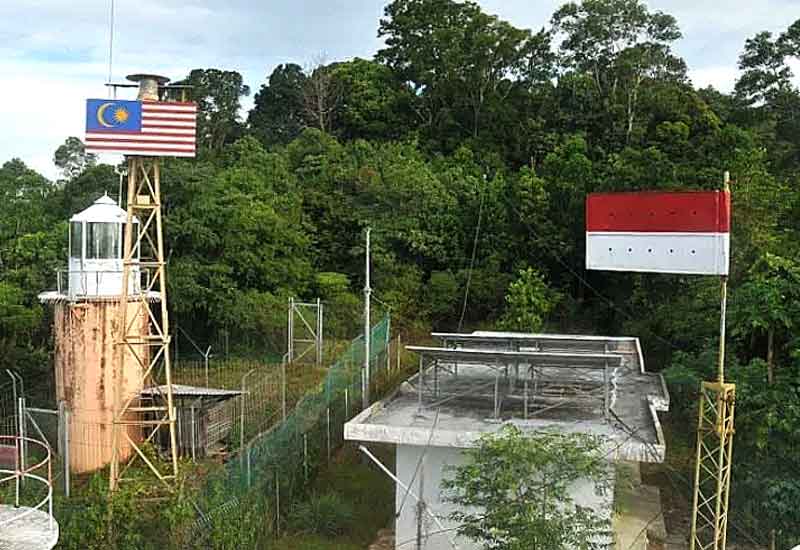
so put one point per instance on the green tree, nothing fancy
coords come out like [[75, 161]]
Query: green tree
[[456, 56], [217, 93], [766, 86], [528, 301], [72, 159], [621, 45], [768, 303], [513, 492], [278, 114], [374, 104]]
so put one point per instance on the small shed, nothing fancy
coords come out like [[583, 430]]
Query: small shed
[[204, 418]]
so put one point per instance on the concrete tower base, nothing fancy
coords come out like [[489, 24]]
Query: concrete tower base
[[87, 375]]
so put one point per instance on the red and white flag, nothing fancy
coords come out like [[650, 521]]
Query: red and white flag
[[669, 232]]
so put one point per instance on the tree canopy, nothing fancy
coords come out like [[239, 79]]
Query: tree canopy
[[468, 145]]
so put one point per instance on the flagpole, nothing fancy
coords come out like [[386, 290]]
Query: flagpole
[[723, 306]]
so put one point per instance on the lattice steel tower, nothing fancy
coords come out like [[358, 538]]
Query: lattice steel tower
[[138, 421]]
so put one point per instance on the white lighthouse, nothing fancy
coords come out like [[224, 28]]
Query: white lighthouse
[[87, 335], [95, 251]]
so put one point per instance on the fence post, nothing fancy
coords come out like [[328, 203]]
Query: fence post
[[305, 455], [328, 422], [283, 390], [398, 351], [63, 441], [277, 504], [23, 441], [248, 466]]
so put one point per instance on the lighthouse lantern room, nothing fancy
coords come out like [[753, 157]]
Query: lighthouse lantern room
[[95, 251]]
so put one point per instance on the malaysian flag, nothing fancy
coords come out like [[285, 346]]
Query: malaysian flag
[[144, 128]]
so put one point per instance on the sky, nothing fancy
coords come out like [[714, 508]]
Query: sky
[[55, 53]]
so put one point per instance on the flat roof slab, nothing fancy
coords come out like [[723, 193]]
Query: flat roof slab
[[631, 430]]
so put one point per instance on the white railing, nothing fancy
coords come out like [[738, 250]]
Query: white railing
[[89, 283], [21, 472]]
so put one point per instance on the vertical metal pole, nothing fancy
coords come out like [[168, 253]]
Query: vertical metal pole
[[248, 467], [496, 394], [398, 351], [66, 452], [305, 454], [290, 331], [194, 434], [328, 424], [605, 390], [318, 338], [283, 390], [17, 470], [367, 327], [435, 378], [277, 504], [241, 415], [420, 382], [205, 360], [723, 307], [723, 310], [346, 402], [421, 502], [21, 432], [525, 400]]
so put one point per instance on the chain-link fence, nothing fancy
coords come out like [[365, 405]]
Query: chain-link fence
[[244, 502]]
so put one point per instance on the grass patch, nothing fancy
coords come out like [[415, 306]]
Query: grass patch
[[368, 492]]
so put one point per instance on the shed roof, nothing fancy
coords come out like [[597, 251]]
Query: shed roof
[[181, 390]]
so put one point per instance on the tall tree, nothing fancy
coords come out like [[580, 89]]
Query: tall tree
[[278, 115], [619, 44], [455, 55], [766, 85], [218, 94], [72, 159], [374, 103], [321, 95]]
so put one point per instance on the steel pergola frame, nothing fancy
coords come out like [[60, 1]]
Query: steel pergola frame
[[534, 381]]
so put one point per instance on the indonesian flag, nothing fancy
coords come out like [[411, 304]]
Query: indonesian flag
[[675, 232]]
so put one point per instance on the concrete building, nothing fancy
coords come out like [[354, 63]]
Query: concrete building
[[475, 383]]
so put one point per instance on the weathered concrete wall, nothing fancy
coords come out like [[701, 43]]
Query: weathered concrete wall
[[430, 475], [87, 375]]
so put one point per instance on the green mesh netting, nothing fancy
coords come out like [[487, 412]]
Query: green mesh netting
[[275, 466]]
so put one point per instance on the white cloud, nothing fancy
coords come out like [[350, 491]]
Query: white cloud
[[721, 77], [53, 53]]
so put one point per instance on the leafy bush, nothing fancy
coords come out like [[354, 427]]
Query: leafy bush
[[325, 514]]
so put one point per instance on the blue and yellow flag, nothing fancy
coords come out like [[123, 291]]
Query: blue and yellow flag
[[104, 115]]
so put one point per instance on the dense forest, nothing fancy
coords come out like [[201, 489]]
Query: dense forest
[[468, 146]]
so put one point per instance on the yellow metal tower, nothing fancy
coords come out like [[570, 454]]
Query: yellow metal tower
[[712, 478], [138, 421]]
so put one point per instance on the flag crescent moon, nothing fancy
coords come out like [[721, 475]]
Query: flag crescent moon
[[101, 113]]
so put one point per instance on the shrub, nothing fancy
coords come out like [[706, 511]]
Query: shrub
[[326, 514]]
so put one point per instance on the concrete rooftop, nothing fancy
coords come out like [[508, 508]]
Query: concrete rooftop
[[26, 529], [584, 384]]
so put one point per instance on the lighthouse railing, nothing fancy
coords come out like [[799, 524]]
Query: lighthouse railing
[[95, 283], [22, 472]]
